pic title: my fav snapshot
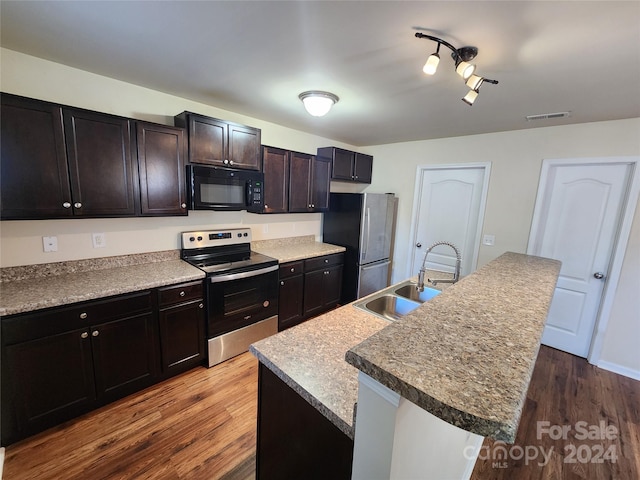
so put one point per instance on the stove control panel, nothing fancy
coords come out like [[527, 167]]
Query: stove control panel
[[214, 238]]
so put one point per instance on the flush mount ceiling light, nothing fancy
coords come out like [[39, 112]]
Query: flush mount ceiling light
[[461, 57], [318, 103]]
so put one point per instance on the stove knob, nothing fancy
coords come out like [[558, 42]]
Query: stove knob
[[246, 234], [192, 239], [199, 239], [239, 235]]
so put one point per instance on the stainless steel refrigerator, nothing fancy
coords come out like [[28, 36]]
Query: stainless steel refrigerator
[[364, 224]]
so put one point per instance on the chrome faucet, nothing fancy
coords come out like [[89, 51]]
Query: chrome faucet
[[456, 274]]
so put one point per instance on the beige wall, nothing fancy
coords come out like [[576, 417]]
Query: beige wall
[[516, 159]]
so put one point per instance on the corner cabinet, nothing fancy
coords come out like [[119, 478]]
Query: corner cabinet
[[309, 183], [217, 142], [64, 162], [65, 361], [348, 166], [61, 362]]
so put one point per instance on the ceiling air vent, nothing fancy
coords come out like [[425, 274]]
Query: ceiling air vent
[[548, 116]]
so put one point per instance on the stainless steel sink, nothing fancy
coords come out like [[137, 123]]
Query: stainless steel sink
[[390, 306], [411, 292], [394, 302]]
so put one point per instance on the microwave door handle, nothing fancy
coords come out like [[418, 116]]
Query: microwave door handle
[[249, 199]]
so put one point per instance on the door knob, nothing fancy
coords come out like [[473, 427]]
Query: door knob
[[598, 275], [418, 244]]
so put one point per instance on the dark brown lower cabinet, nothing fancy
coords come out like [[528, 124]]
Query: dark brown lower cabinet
[[294, 439], [61, 362]]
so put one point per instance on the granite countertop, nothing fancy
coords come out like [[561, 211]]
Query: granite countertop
[[294, 248], [34, 287], [467, 355], [310, 359]]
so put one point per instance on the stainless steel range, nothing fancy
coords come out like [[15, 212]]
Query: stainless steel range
[[241, 289]]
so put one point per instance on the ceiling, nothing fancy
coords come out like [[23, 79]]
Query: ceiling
[[254, 58]]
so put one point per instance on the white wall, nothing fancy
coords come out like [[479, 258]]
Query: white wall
[[516, 159]]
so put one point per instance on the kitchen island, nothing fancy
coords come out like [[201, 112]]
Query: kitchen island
[[465, 357]]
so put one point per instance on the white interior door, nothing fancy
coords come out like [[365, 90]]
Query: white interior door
[[577, 216], [449, 206]]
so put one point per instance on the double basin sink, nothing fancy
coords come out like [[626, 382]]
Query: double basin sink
[[394, 302]]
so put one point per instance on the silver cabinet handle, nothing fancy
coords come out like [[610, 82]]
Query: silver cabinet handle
[[182, 294], [84, 335], [282, 282], [83, 315], [66, 205], [326, 260], [598, 275], [230, 162], [201, 305], [293, 269], [77, 205], [95, 333], [225, 161], [183, 205]]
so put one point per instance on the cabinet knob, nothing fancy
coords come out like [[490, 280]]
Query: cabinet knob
[[293, 269], [83, 315], [182, 294], [326, 260], [183, 205], [225, 161], [66, 205], [77, 205], [201, 305], [266, 206], [84, 335], [95, 333], [281, 282], [230, 162]]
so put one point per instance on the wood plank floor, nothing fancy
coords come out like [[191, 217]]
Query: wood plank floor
[[201, 425]]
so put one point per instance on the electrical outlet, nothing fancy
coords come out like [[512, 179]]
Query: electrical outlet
[[99, 240], [489, 240], [50, 244]]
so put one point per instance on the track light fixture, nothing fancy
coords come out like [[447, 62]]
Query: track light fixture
[[461, 57]]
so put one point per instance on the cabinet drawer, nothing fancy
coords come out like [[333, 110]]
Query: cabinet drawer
[[322, 262], [180, 293], [43, 323], [291, 268]]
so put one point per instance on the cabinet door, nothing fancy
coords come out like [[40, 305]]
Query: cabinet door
[[125, 356], [275, 166], [34, 179], [207, 140], [321, 185], [343, 161], [362, 168], [51, 380], [244, 147], [103, 180], [313, 294], [332, 286], [182, 337], [300, 168], [161, 163], [290, 302]]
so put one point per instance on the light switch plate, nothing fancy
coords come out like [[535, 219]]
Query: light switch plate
[[99, 240], [489, 240], [50, 244]]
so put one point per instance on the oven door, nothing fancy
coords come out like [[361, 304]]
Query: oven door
[[236, 300]]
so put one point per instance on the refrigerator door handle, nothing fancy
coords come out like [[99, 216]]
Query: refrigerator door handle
[[367, 221]]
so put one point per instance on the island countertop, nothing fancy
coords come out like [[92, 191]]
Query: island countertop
[[467, 355]]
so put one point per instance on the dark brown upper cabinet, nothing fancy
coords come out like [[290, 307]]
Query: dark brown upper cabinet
[[221, 143], [104, 181], [275, 166], [161, 164], [64, 162], [348, 166], [309, 182], [34, 177]]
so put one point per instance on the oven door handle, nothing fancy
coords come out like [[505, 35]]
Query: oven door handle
[[237, 276]]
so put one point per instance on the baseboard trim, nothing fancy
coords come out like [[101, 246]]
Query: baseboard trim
[[619, 369]]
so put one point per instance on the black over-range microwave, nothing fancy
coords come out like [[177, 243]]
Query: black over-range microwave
[[218, 188]]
